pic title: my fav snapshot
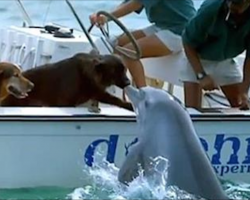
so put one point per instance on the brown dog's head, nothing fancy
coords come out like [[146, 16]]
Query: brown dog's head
[[111, 71], [12, 81]]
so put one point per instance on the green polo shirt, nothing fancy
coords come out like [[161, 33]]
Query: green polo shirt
[[169, 14], [213, 37]]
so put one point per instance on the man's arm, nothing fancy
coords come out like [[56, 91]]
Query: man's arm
[[193, 58], [122, 10], [195, 34], [126, 8], [138, 11]]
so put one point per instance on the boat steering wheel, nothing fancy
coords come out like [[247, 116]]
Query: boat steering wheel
[[132, 54]]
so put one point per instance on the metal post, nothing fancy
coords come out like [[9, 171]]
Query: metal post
[[24, 13], [81, 25]]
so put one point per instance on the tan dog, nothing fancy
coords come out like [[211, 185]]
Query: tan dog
[[12, 82]]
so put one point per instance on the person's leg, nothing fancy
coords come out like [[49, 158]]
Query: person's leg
[[192, 88], [233, 94], [123, 39], [151, 46], [228, 75], [192, 95]]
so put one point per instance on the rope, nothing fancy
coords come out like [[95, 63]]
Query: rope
[[211, 96]]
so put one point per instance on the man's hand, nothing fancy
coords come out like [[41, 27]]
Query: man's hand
[[98, 20], [244, 104], [207, 83]]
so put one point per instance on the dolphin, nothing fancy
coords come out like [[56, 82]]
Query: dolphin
[[165, 129]]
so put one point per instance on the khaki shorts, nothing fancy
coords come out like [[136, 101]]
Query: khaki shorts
[[225, 72], [170, 39]]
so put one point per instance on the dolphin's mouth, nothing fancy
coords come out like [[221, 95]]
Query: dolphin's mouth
[[133, 93], [135, 96]]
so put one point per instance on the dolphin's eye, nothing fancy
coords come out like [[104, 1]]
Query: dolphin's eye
[[146, 104]]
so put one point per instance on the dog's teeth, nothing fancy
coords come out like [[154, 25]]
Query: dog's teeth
[[24, 94]]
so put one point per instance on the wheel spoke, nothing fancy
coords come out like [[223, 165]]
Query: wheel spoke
[[127, 52], [133, 54], [123, 49]]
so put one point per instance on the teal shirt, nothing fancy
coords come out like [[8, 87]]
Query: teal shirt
[[212, 37], [169, 14]]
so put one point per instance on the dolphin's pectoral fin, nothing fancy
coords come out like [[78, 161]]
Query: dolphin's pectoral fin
[[131, 166], [127, 176]]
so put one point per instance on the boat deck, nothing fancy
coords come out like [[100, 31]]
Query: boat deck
[[55, 113], [107, 113]]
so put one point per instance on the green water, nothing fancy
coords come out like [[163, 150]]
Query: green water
[[42, 193], [233, 190]]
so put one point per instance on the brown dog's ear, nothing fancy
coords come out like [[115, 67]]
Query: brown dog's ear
[[94, 52], [96, 61], [99, 65]]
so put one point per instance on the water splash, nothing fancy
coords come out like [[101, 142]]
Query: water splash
[[105, 185], [236, 190]]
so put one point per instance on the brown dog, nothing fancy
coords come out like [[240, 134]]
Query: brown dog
[[12, 82], [74, 81]]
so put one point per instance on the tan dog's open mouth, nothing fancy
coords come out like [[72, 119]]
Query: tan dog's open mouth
[[15, 92]]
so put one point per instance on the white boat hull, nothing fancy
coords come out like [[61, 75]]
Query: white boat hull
[[53, 149]]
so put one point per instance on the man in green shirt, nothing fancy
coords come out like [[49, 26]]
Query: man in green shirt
[[163, 37], [218, 33]]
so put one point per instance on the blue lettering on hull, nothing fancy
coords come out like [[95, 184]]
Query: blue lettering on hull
[[233, 165], [90, 151]]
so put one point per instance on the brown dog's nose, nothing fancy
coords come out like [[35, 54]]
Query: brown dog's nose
[[125, 82]]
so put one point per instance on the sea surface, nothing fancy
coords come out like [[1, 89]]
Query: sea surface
[[103, 184]]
